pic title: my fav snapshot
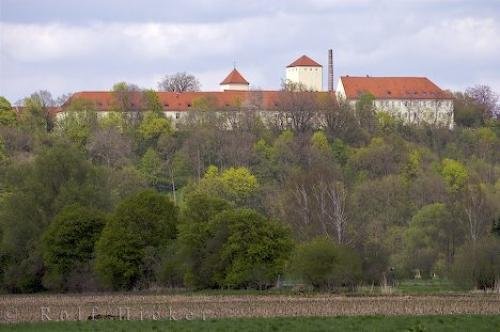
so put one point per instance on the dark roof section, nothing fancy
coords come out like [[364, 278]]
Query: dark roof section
[[234, 77], [393, 87], [304, 61]]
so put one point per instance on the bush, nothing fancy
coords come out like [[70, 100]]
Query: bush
[[326, 265], [478, 265], [133, 239], [68, 244]]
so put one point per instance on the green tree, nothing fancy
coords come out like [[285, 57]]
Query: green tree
[[154, 125], [325, 265], [255, 251], [365, 112], [319, 141], [38, 190], [7, 114], [429, 240], [455, 174], [151, 168], [237, 185], [151, 101], [68, 246], [199, 208], [141, 227], [78, 121]]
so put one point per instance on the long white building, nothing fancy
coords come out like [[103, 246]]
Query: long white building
[[411, 99]]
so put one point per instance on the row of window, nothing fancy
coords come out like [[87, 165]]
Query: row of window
[[410, 103]]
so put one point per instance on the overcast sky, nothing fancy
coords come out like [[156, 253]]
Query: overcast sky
[[67, 45]]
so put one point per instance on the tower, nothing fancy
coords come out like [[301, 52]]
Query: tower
[[235, 81], [306, 72]]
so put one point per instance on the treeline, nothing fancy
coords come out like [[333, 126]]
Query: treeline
[[130, 201]]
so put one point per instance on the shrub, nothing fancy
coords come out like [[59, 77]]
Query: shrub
[[478, 265]]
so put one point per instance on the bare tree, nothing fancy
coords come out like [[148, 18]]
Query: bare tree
[[62, 99], [299, 107], [316, 205], [330, 197], [179, 82], [479, 210], [109, 147], [486, 98]]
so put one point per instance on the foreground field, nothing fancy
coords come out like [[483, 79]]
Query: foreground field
[[363, 323], [22, 308]]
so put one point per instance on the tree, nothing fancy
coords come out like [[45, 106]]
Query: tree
[[140, 228], [455, 174], [236, 185], [127, 100], [151, 101], [298, 109], [234, 248], [151, 168], [34, 117], [477, 265], [325, 265], [154, 125], [319, 141], [485, 98], [255, 250], [109, 147], [429, 240], [68, 247], [199, 208], [41, 102], [79, 120], [38, 190], [365, 112], [179, 82], [7, 114]]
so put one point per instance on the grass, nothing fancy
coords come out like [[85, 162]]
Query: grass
[[344, 323], [433, 286]]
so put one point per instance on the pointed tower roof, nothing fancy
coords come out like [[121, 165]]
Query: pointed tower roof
[[234, 77], [304, 61]]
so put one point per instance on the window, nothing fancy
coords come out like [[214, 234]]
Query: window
[[177, 115]]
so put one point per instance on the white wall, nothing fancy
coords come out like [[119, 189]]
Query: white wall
[[310, 77], [237, 87]]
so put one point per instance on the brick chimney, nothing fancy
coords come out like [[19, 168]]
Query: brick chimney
[[330, 70]]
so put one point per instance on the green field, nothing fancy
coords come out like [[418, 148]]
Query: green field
[[357, 323]]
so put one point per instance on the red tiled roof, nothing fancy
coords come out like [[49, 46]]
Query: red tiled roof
[[173, 101], [234, 77], [304, 61], [393, 87]]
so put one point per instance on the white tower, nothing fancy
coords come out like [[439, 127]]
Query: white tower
[[235, 81], [305, 72]]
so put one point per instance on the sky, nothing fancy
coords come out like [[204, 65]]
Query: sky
[[66, 46]]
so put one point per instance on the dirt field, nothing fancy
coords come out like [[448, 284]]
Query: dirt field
[[20, 308]]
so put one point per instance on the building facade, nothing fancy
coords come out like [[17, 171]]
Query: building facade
[[412, 99]]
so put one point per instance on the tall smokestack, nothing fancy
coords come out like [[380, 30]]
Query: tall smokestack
[[330, 70]]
